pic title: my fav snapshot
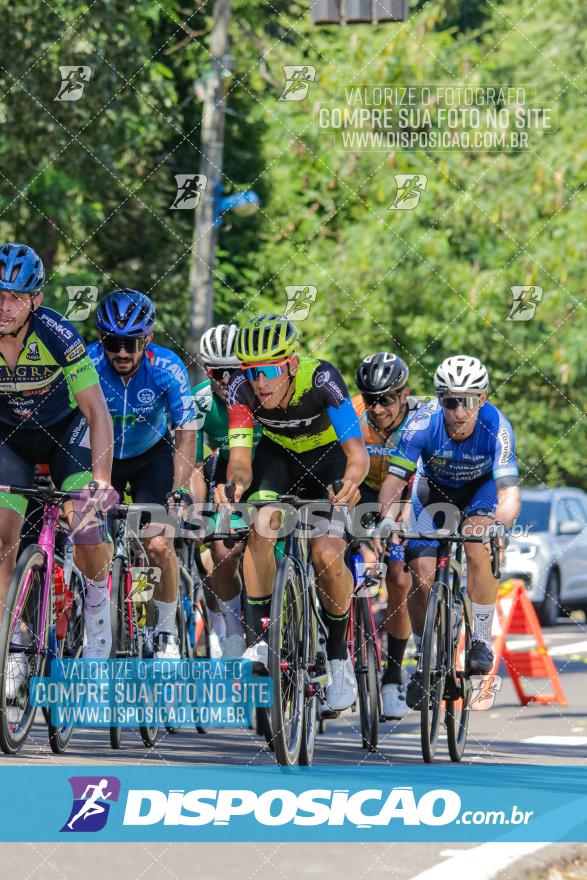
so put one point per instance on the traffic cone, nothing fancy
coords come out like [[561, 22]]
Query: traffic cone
[[516, 616]]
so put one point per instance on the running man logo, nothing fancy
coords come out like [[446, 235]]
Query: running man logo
[[73, 82], [189, 190], [299, 301], [80, 302], [485, 689], [297, 81], [144, 580], [409, 189], [525, 300], [92, 796]]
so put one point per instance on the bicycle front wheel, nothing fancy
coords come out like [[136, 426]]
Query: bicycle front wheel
[[457, 710], [310, 719], [365, 663], [285, 662], [23, 647], [433, 670]]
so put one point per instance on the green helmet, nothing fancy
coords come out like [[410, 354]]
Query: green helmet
[[266, 338]]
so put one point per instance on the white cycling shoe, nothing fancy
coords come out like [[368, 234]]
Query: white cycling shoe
[[341, 691], [234, 646], [258, 654], [17, 671], [97, 632], [394, 701]]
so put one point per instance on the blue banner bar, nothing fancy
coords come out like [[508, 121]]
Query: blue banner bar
[[230, 803]]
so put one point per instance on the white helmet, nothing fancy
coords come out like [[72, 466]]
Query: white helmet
[[217, 346], [461, 373]]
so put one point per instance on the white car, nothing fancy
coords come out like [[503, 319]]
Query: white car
[[548, 551]]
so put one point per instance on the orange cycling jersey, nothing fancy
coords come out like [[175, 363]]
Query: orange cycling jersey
[[379, 447]]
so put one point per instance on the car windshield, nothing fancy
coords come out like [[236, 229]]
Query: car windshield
[[534, 515]]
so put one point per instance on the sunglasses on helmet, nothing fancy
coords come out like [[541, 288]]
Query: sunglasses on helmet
[[131, 344], [270, 371], [383, 399], [470, 402]]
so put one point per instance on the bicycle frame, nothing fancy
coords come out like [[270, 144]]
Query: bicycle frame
[[360, 591]]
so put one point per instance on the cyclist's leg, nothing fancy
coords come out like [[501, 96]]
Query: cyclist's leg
[[18, 471], [150, 476], [481, 585], [70, 462]]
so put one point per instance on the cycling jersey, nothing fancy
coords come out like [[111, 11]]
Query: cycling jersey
[[379, 447], [212, 420], [320, 411], [489, 451], [52, 367], [155, 398]]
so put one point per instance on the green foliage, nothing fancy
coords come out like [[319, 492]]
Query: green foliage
[[89, 183]]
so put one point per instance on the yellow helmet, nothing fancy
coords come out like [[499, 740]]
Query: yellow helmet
[[266, 338]]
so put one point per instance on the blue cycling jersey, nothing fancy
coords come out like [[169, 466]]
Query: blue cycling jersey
[[155, 398], [488, 452]]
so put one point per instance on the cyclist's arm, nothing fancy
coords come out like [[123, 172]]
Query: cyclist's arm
[[509, 500], [183, 460], [92, 404], [240, 444], [505, 474], [240, 469], [357, 459], [390, 496], [198, 488]]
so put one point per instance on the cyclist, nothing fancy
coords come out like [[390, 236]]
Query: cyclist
[[383, 407], [147, 392], [466, 466], [311, 437], [52, 411], [223, 586]]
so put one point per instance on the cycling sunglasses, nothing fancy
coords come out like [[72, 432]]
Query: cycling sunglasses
[[383, 399], [270, 371], [219, 374], [131, 344], [466, 402]]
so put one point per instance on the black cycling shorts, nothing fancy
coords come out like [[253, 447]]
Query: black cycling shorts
[[307, 474], [64, 446], [150, 475]]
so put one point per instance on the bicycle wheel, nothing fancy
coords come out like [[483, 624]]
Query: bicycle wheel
[[365, 663], [185, 648], [70, 646], [433, 670], [310, 717], [285, 662], [457, 710], [118, 575], [23, 613]]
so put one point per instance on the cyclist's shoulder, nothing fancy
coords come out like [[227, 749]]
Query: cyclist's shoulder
[[239, 390], [319, 374], [166, 366], [53, 330], [492, 417], [423, 415]]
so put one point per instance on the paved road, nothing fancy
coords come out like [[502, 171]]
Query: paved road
[[507, 733]]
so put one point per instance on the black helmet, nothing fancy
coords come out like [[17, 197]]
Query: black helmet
[[382, 372]]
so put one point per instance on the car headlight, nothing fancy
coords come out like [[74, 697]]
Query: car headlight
[[527, 550]]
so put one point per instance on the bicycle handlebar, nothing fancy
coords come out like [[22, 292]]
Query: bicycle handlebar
[[45, 493]]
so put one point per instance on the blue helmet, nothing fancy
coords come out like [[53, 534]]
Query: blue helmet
[[125, 313], [21, 269]]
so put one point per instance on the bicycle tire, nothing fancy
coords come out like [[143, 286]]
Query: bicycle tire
[[70, 646], [28, 575], [457, 710], [285, 637], [262, 716], [365, 664], [117, 579], [310, 717], [433, 671]]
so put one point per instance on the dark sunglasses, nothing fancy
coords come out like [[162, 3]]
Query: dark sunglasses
[[383, 399], [131, 344], [219, 374], [466, 402]]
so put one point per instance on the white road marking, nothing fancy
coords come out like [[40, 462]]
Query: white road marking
[[560, 650], [482, 862], [557, 740]]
